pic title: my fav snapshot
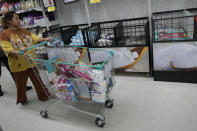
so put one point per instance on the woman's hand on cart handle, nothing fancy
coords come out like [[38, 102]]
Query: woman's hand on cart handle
[[22, 50], [44, 39], [40, 44]]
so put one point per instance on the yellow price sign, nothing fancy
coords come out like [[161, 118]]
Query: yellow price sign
[[52, 8], [94, 1]]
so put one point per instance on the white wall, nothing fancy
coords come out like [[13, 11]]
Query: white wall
[[74, 13], [166, 5]]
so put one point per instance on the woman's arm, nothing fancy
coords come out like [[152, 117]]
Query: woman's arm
[[9, 50], [36, 39], [44, 39], [14, 52]]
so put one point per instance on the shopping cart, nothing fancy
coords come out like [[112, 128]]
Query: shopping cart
[[75, 75]]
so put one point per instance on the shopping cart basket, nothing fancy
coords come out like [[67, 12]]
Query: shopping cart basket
[[76, 75]]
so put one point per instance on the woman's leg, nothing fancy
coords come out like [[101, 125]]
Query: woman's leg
[[5, 61], [21, 81], [41, 91]]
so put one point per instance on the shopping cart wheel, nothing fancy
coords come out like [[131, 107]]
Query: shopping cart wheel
[[1, 93], [44, 114], [109, 104], [99, 122]]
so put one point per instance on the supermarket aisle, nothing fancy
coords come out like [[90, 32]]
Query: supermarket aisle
[[140, 105]]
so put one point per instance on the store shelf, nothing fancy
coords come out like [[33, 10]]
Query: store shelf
[[29, 26], [51, 23], [41, 24], [29, 10]]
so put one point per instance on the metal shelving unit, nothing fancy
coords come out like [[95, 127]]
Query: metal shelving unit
[[38, 9]]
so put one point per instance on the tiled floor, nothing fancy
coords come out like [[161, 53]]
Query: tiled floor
[[140, 104]]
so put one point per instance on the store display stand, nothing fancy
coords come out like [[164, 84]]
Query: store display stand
[[47, 24]]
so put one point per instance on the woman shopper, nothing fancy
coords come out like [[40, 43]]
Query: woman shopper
[[15, 39]]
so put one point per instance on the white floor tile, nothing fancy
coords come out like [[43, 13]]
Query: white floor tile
[[140, 104]]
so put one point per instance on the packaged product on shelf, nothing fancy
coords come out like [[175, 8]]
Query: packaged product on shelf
[[33, 3], [40, 21], [77, 40], [55, 44], [23, 5], [21, 22], [30, 4], [17, 6], [107, 36], [31, 20], [11, 7], [26, 21], [36, 3], [104, 42], [27, 4], [4, 8]]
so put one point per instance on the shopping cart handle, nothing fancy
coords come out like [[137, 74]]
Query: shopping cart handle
[[111, 52], [21, 52], [43, 43], [37, 45]]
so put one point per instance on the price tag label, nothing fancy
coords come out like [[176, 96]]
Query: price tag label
[[94, 1], [52, 8]]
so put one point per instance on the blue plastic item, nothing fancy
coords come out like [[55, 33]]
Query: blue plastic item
[[49, 67], [48, 63], [70, 90]]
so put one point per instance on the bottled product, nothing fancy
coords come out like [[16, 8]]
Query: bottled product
[[71, 95]]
